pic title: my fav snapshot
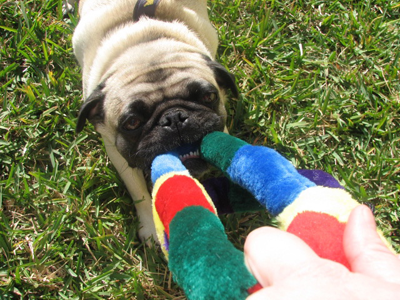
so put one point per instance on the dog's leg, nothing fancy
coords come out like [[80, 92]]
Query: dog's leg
[[136, 185]]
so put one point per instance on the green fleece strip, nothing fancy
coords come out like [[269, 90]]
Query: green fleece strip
[[219, 150], [204, 263]]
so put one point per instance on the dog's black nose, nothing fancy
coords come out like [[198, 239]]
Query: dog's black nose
[[173, 118]]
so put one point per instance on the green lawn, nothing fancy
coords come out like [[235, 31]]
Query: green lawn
[[319, 82]]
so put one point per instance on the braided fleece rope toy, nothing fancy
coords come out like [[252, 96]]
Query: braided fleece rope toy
[[204, 263]]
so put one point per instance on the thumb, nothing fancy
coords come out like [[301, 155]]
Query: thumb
[[365, 250], [273, 255]]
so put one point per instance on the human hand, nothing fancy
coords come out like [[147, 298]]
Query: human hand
[[287, 268]]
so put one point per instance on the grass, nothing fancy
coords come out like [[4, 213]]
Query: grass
[[319, 81]]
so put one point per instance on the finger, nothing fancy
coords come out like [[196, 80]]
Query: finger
[[273, 255], [354, 286], [365, 250], [279, 293], [307, 292]]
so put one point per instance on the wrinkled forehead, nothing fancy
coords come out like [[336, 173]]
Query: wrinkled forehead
[[164, 77], [164, 83]]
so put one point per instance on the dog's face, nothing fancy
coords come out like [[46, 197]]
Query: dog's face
[[165, 103]]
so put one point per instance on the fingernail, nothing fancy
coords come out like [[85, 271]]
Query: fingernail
[[365, 215], [367, 212]]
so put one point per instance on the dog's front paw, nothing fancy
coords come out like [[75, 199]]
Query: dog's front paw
[[147, 232]]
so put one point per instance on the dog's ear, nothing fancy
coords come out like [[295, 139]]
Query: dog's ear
[[224, 78], [92, 109]]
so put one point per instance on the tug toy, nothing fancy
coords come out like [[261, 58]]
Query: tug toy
[[204, 263]]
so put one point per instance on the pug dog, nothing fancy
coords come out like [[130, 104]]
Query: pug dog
[[150, 85]]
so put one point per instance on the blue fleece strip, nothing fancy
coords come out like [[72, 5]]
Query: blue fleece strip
[[271, 178], [165, 163]]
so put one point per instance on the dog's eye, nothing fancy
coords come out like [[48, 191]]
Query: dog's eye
[[210, 97], [132, 124]]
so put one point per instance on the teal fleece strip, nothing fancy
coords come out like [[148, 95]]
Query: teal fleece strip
[[204, 263], [219, 148]]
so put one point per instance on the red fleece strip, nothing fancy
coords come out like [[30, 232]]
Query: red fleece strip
[[175, 194], [254, 288], [323, 233]]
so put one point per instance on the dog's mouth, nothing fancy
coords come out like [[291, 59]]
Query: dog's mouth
[[189, 154], [188, 151]]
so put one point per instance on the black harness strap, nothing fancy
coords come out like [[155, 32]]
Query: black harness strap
[[145, 8]]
